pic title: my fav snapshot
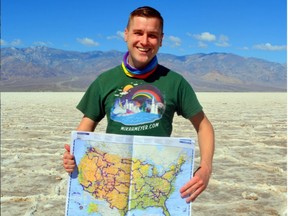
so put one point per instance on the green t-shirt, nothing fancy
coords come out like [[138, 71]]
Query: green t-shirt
[[139, 107]]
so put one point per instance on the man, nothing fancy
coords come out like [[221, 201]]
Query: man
[[140, 97]]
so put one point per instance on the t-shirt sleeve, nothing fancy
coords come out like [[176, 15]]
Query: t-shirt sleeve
[[91, 104], [187, 100]]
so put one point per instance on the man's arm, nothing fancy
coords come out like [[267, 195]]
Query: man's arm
[[201, 177], [86, 124]]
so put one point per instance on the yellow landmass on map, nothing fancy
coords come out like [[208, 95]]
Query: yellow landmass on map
[[107, 177], [92, 208], [149, 189]]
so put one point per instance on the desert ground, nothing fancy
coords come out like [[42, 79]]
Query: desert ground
[[250, 163]]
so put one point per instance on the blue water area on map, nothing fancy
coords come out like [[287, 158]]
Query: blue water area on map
[[153, 211], [175, 204], [78, 203]]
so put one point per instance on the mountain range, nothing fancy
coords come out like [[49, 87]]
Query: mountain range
[[48, 69]]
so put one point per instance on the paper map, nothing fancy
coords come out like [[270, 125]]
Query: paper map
[[129, 175]]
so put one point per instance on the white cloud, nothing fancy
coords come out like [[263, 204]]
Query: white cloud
[[13, 43], [119, 35], [205, 36], [2, 42], [270, 47], [87, 42], [16, 42], [244, 48], [223, 41], [42, 43], [176, 41], [201, 44], [189, 34]]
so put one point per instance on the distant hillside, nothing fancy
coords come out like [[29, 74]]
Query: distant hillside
[[47, 69]]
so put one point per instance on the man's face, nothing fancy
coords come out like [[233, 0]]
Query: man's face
[[144, 38]]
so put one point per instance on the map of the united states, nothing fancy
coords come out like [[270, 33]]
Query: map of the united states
[[129, 175], [107, 176]]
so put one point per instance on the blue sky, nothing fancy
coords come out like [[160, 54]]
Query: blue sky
[[249, 28]]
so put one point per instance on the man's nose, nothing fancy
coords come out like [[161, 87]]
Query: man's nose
[[144, 39]]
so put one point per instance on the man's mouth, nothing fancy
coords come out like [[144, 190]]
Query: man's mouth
[[143, 49]]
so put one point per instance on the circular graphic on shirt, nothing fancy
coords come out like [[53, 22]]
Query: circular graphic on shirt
[[136, 105]]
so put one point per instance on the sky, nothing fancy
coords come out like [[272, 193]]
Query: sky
[[249, 28]]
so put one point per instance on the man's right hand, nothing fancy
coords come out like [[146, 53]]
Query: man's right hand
[[68, 160]]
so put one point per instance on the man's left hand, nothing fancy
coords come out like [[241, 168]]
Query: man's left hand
[[192, 189]]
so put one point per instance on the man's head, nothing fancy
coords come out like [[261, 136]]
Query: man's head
[[148, 12], [143, 34]]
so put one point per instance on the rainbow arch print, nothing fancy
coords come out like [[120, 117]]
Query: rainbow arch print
[[147, 93]]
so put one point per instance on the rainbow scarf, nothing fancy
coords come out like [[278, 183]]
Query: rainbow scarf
[[139, 73]]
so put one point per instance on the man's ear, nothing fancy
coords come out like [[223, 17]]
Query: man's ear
[[125, 34], [161, 39]]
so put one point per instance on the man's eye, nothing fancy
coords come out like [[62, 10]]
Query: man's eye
[[153, 36]]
